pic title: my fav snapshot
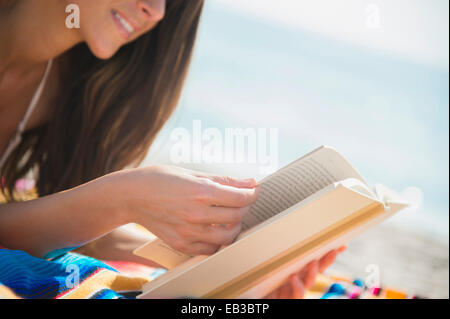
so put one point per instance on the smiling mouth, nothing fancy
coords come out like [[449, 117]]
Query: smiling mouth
[[123, 23]]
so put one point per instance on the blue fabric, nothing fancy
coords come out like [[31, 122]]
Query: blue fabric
[[59, 252], [31, 277]]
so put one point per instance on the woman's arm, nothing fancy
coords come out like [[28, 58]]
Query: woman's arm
[[119, 245], [67, 219], [181, 207]]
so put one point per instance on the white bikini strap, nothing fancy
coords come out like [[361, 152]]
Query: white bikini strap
[[17, 138], [35, 99]]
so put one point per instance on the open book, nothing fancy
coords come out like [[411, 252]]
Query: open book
[[311, 206]]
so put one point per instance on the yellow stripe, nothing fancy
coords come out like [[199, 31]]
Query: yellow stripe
[[6, 293], [105, 279]]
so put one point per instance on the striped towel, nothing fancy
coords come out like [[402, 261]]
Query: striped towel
[[66, 275], [74, 276], [71, 276]]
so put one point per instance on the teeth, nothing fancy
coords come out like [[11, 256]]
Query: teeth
[[125, 24]]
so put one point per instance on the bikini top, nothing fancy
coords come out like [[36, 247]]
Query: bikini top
[[17, 138]]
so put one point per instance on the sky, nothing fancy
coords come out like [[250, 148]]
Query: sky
[[414, 29], [369, 78]]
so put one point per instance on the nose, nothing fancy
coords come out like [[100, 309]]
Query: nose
[[152, 10]]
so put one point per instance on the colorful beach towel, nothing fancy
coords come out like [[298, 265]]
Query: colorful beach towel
[[334, 287], [65, 274], [71, 276], [74, 276]]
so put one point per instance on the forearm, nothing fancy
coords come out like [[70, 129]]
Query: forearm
[[119, 244], [65, 219]]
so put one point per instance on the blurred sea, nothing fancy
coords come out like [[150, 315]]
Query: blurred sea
[[387, 114]]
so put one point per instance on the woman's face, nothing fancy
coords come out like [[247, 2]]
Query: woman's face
[[106, 25]]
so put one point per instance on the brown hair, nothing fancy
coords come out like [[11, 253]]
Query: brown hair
[[109, 112]]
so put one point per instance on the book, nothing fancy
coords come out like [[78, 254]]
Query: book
[[307, 208]]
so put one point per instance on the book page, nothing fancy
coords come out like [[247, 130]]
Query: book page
[[295, 182], [279, 191], [303, 227]]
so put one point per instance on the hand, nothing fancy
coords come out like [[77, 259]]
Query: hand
[[194, 213], [299, 282]]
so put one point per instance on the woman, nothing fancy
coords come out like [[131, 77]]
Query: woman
[[99, 95]]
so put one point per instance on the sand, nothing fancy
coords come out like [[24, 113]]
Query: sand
[[407, 260]]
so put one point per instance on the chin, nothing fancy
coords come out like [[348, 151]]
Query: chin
[[103, 51]]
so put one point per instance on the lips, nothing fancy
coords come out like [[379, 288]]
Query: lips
[[124, 24]]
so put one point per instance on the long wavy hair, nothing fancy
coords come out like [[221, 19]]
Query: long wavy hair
[[109, 111]]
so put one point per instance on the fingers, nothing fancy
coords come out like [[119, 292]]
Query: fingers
[[297, 283], [273, 295], [199, 248], [202, 239], [179, 241], [233, 182], [297, 287], [285, 291], [219, 235], [310, 276], [208, 244], [228, 196], [216, 215], [327, 260], [342, 249]]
